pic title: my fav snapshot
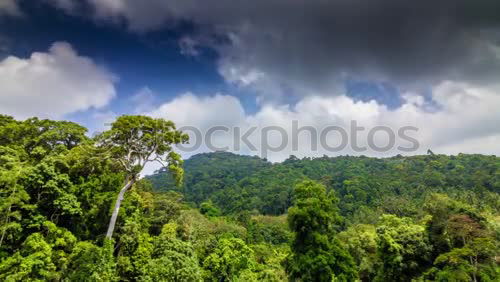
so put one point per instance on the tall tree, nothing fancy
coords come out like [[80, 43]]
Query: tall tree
[[134, 141], [13, 197], [402, 247], [317, 255], [228, 260]]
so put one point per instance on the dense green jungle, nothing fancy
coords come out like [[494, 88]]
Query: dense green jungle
[[226, 217]]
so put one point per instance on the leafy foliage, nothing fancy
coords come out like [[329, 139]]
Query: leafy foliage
[[236, 218], [317, 255], [403, 248]]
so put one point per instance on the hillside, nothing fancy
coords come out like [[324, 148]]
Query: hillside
[[395, 185], [236, 218]]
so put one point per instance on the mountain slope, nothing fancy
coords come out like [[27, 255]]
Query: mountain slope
[[395, 185]]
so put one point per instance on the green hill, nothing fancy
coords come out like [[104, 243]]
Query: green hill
[[395, 185]]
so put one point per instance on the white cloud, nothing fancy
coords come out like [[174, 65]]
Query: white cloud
[[53, 84], [143, 100], [487, 145], [466, 123], [202, 112]]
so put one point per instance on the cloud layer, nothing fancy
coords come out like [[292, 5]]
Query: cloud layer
[[302, 48], [442, 57], [456, 128], [53, 84]]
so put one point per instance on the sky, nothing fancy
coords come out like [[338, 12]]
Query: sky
[[429, 65]]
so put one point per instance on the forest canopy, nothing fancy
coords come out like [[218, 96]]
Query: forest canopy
[[236, 218]]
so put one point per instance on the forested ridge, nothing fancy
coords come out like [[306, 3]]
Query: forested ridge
[[398, 185], [225, 217]]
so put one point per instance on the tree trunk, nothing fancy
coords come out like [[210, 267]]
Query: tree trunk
[[119, 200], [7, 219], [475, 269], [4, 231]]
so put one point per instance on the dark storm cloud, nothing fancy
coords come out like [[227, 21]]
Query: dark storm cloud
[[313, 46]]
